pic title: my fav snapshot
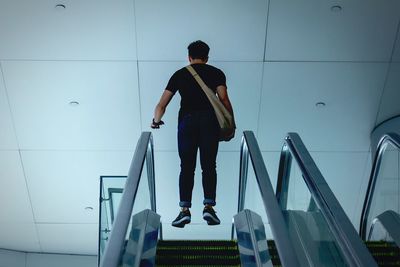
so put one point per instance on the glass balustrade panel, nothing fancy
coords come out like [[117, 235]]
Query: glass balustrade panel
[[306, 224], [110, 193], [262, 230], [142, 202]]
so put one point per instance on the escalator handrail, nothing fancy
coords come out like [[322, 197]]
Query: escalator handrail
[[389, 138], [144, 152], [250, 148], [390, 220], [352, 247]]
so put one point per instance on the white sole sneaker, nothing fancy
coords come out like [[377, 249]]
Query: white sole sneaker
[[181, 223]]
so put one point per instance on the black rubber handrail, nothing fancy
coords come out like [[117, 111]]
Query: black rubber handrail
[[389, 138]]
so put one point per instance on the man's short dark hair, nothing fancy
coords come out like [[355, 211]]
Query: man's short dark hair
[[198, 50]]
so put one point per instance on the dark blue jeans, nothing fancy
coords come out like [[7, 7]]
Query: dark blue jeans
[[198, 131]]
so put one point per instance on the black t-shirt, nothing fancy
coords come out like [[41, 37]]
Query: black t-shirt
[[193, 97]]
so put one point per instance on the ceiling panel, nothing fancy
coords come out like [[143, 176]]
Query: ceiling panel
[[165, 34], [92, 29], [71, 180], [309, 31], [69, 238], [351, 92], [19, 236], [389, 106], [244, 84], [108, 114], [13, 190], [345, 174], [7, 133]]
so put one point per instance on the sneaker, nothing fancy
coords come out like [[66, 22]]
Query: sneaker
[[183, 218], [210, 216]]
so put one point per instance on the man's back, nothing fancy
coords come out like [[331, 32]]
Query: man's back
[[192, 96]]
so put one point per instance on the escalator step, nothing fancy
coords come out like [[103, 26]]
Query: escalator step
[[207, 253], [185, 265], [384, 253], [197, 253]]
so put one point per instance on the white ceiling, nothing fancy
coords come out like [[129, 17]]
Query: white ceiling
[[351, 92], [234, 29], [115, 58], [85, 30], [309, 31], [390, 99]]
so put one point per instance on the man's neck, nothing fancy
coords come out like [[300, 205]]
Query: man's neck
[[198, 61]]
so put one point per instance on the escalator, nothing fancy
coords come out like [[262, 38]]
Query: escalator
[[135, 236], [302, 224]]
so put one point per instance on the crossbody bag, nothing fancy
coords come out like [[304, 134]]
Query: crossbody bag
[[224, 117]]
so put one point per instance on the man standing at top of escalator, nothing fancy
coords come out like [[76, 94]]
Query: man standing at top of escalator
[[198, 129]]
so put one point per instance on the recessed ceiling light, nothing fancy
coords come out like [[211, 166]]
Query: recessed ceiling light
[[336, 8], [89, 208], [60, 7], [74, 103], [320, 104]]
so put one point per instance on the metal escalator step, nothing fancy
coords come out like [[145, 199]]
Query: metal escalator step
[[197, 253], [161, 265], [384, 253]]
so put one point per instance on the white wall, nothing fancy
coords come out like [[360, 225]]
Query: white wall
[[20, 259]]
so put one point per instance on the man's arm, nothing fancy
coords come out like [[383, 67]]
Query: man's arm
[[222, 93], [162, 105]]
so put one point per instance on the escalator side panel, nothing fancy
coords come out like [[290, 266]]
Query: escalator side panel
[[141, 247]]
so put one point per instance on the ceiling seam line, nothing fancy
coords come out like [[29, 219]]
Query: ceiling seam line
[[137, 67], [387, 72], [135, 29], [170, 150], [30, 201], [175, 61], [67, 60], [48, 253], [69, 150], [260, 100], [381, 96], [139, 97], [9, 105], [396, 38], [19, 154], [359, 197], [262, 72], [266, 32]]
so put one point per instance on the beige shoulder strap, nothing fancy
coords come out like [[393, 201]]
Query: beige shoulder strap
[[199, 79], [221, 112]]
